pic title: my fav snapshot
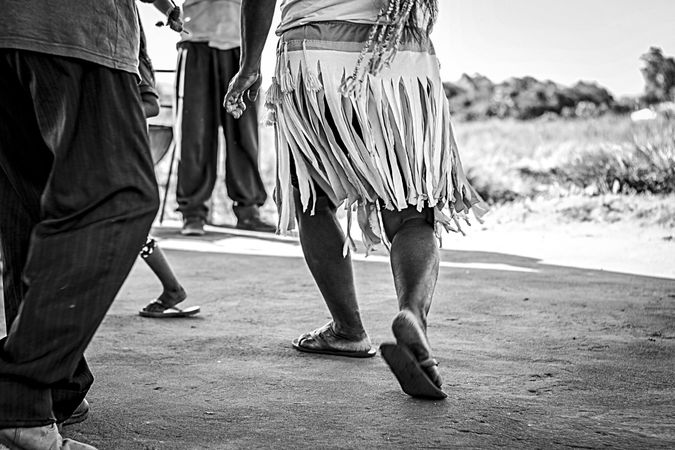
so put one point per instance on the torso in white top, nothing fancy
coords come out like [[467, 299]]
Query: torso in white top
[[301, 12]]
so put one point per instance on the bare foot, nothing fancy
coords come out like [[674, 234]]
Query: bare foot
[[409, 332]]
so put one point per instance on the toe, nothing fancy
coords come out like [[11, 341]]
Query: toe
[[155, 307]]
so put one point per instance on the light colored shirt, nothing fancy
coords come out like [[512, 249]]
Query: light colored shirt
[[216, 22], [104, 32], [295, 13]]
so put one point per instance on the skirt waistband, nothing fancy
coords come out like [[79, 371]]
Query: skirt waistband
[[346, 36]]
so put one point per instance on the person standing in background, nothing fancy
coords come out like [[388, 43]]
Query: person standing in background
[[78, 193], [208, 57]]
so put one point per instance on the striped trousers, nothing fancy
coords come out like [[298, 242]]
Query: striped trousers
[[77, 198]]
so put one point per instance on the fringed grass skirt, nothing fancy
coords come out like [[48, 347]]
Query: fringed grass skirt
[[390, 146]]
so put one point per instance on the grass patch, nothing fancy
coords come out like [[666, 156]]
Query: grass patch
[[510, 160]]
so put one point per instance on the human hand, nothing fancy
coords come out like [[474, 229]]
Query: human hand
[[175, 19], [243, 83], [151, 105]]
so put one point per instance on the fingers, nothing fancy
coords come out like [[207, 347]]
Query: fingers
[[238, 110], [175, 26], [239, 86], [235, 105], [175, 19]]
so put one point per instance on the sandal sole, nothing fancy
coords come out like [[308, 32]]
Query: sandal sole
[[171, 314], [410, 375], [327, 351]]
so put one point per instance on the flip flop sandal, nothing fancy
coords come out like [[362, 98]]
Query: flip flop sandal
[[410, 373], [325, 347], [165, 312]]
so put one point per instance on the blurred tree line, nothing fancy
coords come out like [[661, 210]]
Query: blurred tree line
[[659, 75], [477, 97]]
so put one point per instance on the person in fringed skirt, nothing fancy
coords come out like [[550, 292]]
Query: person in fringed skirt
[[362, 122]]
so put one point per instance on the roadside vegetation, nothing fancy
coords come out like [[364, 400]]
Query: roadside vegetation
[[509, 159], [605, 169]]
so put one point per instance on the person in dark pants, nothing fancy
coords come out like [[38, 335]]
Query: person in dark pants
[[78, 197], [208, 57]]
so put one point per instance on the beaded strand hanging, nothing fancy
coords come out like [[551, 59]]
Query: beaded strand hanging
[[382, 44]]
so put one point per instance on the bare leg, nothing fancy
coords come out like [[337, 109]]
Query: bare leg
[[172, 291], [414, 261], [321, 238]]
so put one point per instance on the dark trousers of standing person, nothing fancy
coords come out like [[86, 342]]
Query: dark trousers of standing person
[[78, 196], [203, 75]]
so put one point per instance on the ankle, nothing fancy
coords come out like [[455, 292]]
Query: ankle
[[173, 296], [350, 332], [419, 315], [245, 212]]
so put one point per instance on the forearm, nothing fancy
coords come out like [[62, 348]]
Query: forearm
[[256, 19], [164, 6]]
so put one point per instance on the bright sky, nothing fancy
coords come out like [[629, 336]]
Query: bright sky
[[565, 41]]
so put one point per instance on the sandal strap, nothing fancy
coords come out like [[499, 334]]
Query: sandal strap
[[161, 304], [317, 334]]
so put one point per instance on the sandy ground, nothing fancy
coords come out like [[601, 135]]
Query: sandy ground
[[546, 339]]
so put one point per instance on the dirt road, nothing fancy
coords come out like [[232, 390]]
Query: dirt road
[[533, 355]]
